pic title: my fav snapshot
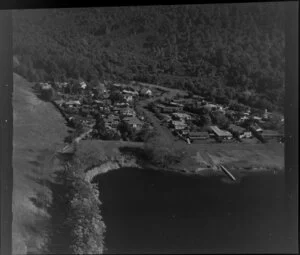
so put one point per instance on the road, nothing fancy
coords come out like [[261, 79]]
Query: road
[[162, 131]]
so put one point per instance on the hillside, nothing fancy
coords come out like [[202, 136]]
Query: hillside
[[226, 52], [38, 131]]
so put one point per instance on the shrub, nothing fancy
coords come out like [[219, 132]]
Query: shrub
[[84, 217], [162, 154], [47, 94]]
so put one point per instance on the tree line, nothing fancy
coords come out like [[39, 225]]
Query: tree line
[[227, 52]]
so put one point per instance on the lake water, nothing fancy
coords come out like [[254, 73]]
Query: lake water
[[149, 211]]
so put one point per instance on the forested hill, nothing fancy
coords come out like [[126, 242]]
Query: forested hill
[[225, 51]]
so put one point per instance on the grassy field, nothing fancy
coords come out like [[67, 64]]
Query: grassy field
[[38, 130], [241, 157]]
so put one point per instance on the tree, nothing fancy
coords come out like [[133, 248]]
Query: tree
[[161, 153], [127, 131], [47, 93], [205, 120], [100, 127], [220, 120], [116, 97], [145, 133]]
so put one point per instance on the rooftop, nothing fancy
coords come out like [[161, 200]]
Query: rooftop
[[220, 132], [198, 134]]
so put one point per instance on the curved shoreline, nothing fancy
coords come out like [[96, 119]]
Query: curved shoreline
[[114, 164]]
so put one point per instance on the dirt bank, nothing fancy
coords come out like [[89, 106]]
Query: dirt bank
[[239, 159], [38, 130]]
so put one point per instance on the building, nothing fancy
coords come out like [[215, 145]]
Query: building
[[220, 134], [134, 122], [133, 93], [176, 104], [210, 107], [82, 84], [127, 111], [146, 92], [256, 128], [270, 134], [112, 121], [182, 116], [168, 109], [242, 132], [128, 98], [166, 117], [59, 102], [198, 135], [198, 97], [178, 125], [236, 129], [107, 101], [73, 103], [257, 118]]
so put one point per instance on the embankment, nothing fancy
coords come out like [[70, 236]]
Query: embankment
[[38, 131]]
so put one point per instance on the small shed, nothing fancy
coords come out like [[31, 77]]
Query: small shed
[[198, 135]]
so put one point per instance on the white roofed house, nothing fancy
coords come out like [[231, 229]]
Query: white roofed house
[[181, 116], [128, 98], [127, 112], [73, 103], [146, 92], [133, 93], [220, 134], [82, 84], [178, 125]]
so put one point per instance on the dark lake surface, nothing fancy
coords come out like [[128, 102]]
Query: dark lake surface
[[149, 211]]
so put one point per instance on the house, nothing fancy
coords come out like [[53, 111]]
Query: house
[[256, 128], [112, 121], [198, 135], [220, 134], [181, 102], [134, 122], [183, 132], [210, 107], [106, 101], [270, 134], [241, 132], [59, 102], [257, 118], [266, 114], [182, 116], [127, 111], [176, 104], [166, 117], [133, 93], [121, 104], [168, 109], [82, 84], [178, 125], [146, 92], [98, 102], [128, 98], [197, 97], [73, 103]]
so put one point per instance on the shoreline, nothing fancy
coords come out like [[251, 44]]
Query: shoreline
[[123, 162]]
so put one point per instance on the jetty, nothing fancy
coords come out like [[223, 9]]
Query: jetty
[[227, 172]]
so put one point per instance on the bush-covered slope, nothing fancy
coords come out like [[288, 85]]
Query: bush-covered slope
[[230, 51]]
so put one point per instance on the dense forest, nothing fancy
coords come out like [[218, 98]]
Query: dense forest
[[226, 52]]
